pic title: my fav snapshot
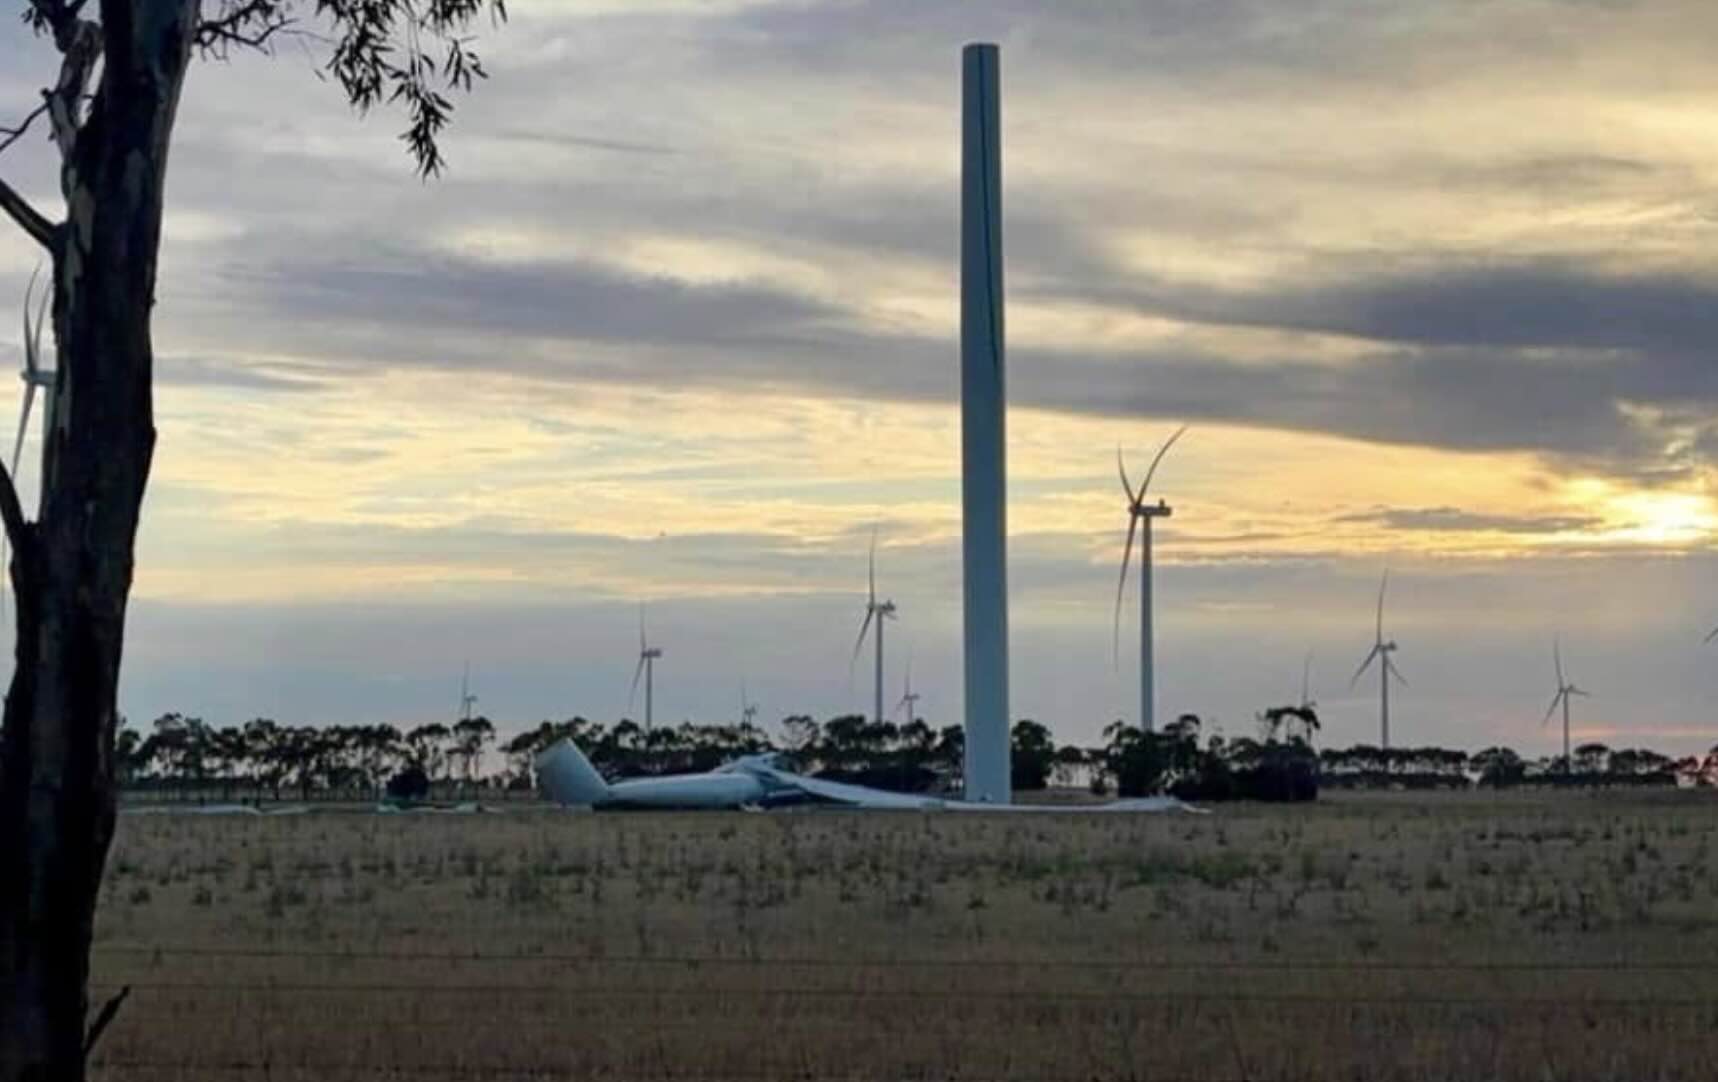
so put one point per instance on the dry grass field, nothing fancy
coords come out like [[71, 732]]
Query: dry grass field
[[1544, 937]]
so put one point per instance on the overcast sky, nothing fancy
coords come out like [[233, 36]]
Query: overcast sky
[[1435, 284]]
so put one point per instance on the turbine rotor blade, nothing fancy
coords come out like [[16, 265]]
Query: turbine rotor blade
[[1121, 586], [1390, 666], [859, 644], [1126, 485], [1557, 659], [873, 568], [637, 674], [1552, 709], [1161, 451], [1382, 587], [1713, 635], [33, 333], [23, 426], [1364, 665]]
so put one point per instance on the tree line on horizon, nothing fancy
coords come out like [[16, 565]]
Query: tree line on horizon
[[186, 756]]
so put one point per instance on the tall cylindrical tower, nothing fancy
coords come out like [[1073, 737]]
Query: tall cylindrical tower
[[983, 433]]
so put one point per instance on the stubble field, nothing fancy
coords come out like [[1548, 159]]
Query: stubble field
[[1554, 937]]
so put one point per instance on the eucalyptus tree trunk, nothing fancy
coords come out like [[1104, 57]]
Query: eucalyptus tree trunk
[[72, 568]]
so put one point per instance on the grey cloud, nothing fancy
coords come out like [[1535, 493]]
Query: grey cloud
[[210, 372], [585, 322], [1454, 519]]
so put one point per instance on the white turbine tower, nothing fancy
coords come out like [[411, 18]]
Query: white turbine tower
[[35, 378], [983, 432], [1381, 651], [909, 698], [1139, 511], [647, 656], [1565, 691], [877, 613]]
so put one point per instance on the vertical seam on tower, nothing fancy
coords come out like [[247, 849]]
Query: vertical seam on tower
[[989, 247]]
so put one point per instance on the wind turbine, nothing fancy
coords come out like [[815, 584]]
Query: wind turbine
[[748, 709], [35, 377], [1139, 511], [876, 613], [1565, 691], [647, 655], [909, 698], [1381, 651], [1307, 702], [466, 699]]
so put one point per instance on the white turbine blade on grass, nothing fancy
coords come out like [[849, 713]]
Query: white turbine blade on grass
[[1364, 665], [1161, 451], [1121, 584]]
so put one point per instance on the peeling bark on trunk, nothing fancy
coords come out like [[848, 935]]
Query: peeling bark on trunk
[[72, 569]]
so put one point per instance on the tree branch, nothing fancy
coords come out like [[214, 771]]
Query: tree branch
[[105, 1019], [80, 46], [28, 218], [250, 24], [12, 135], [12, 513]]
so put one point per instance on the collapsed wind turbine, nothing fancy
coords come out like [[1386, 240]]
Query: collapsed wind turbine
[[647, 655], [876, 614], [1565, 691], [1139, 511], [1381, 651]]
